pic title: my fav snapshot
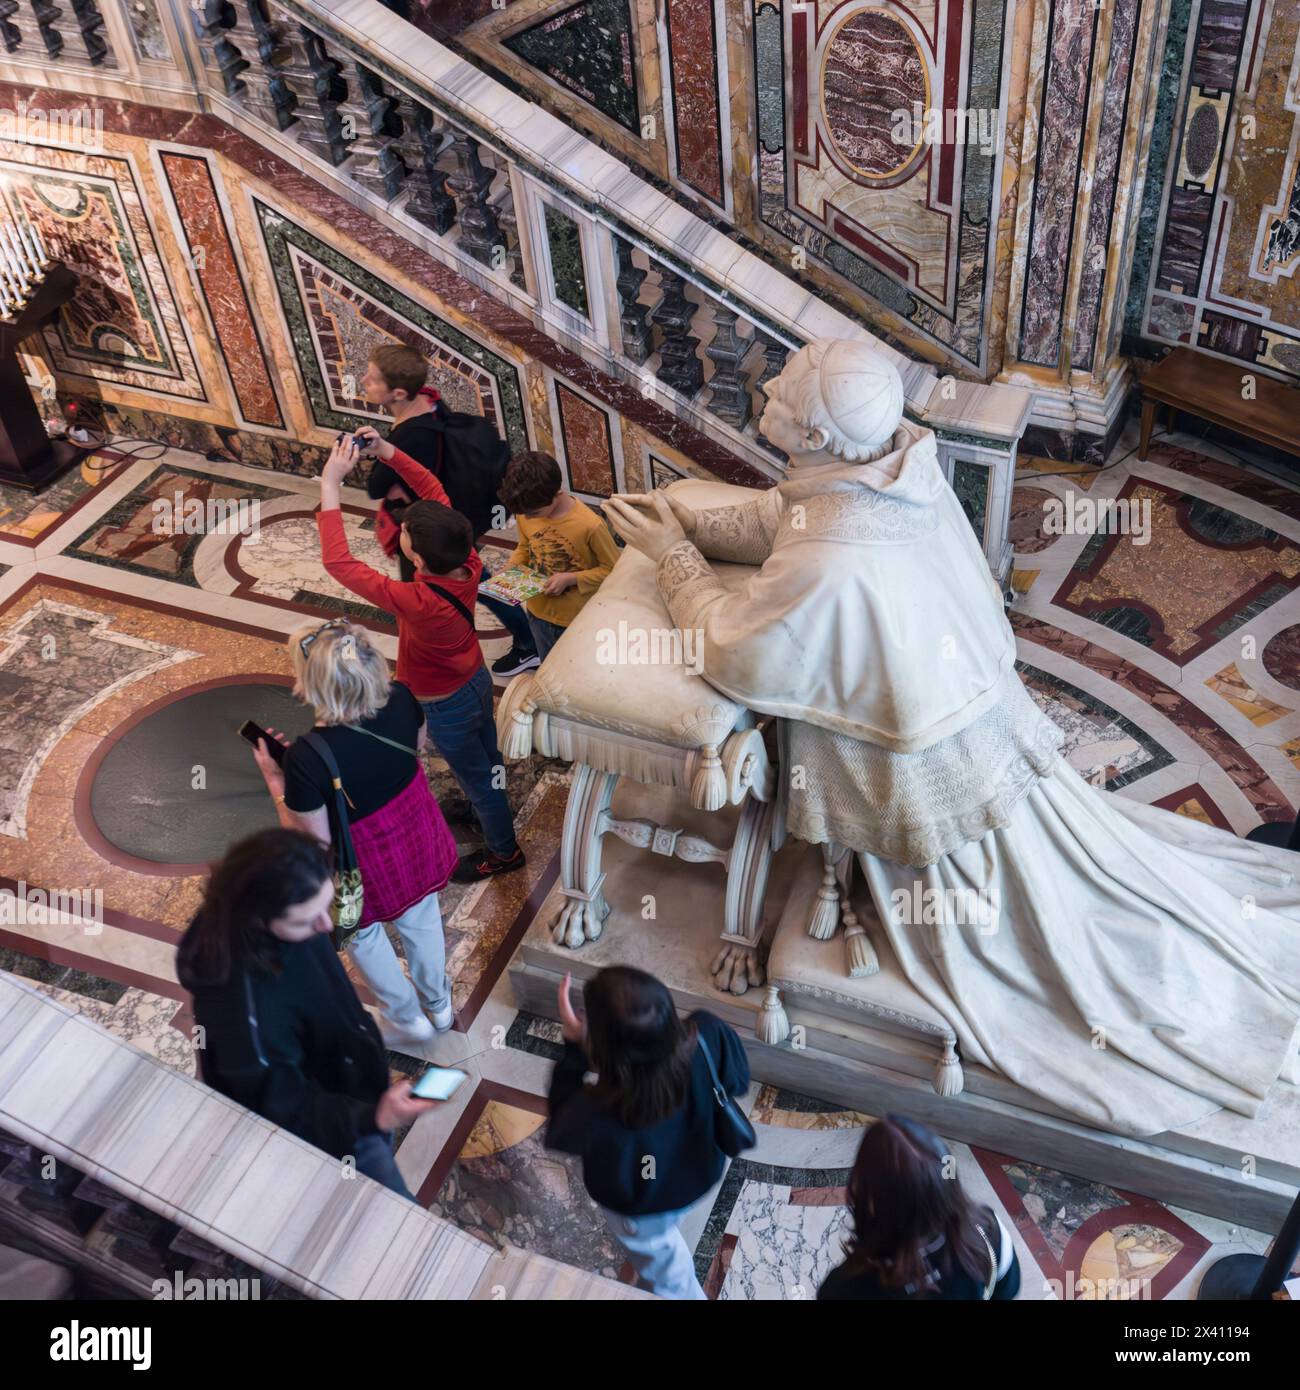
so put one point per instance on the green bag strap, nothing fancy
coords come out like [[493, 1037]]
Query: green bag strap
[[391, 742]]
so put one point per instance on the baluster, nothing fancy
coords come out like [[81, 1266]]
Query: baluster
[[90, 22], [214, 22], [510, 226], [480, 232], [730, 400], [375, 158], [774, 357], [637, 337], [679, 366], [313, 78], [46, 14], [10, 34], [420, 144], [270, 98]]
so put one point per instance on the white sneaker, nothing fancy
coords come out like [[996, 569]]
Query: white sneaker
[[444, 1018], [420, 1031]]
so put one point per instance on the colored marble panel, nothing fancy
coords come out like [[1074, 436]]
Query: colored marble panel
[[693, 65], [1238, 691], [872, 69], [1233, 337], [1202, 573], [146, 30], [1187, 228], [568, 277], [1072, 28], [338, 312], [195, 196], [1281, 657], [588, 448], [122, 323], [970, 481], [1218, 43], [587, 49], [1105, 173]]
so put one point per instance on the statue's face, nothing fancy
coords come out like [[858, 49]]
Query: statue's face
[[777, 422]]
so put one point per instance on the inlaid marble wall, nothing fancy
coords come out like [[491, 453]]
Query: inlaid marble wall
[[1220, 246], [229, 305]]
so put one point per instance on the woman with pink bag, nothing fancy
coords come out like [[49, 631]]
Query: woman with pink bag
[[363, 754]]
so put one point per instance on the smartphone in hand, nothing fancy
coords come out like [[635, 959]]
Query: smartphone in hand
[[438, 1083], [252, 732]]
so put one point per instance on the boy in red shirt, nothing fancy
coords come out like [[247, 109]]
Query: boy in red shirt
[[438, 654]]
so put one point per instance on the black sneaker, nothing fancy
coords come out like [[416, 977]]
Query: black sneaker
[[474, 868], [515, 661]]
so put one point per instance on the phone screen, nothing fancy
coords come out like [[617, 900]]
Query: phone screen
[[252, 732], [438, 1083]]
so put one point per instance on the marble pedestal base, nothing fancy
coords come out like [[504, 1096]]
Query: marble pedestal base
[[1241, 1171]]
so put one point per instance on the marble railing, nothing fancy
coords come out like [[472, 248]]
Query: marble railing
[[543, 218], [114, 1162], [51, 33]]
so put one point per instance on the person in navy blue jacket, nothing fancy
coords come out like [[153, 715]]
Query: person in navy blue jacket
[[632, 1097]]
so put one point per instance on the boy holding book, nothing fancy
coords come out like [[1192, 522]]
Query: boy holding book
[[438, 654], [559, 536]]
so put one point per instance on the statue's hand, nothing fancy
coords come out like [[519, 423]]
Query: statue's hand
[[652, 527], [646, 501]]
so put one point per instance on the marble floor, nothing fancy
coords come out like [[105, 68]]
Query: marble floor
[[1170, 657]]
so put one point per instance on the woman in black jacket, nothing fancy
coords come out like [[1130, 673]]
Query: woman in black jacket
[[283, 1030], [645, 1127], [916, 1234]]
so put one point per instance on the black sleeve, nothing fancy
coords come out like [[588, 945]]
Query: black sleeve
[[565, 1130], [728, 1052], [304, 779], [1009, 1285], [408, 717], [331, 1121], [380, 480], [279, 1091]]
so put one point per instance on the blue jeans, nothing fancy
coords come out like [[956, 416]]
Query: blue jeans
[[374, 1157], [464, 731], [656, 1250], [514, 618], [545, 635]]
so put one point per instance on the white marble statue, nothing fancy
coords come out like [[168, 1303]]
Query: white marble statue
[[1137, 969]]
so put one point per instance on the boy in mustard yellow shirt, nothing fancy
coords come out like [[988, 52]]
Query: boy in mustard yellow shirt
[[561, 537]]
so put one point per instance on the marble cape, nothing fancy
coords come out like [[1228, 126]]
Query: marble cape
[[1139, 971]]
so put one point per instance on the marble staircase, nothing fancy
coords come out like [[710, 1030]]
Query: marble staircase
[[118, 1165]]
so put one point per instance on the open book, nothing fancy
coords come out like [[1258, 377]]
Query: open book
[[514, 584]]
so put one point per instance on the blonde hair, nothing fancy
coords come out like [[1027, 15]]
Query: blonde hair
[[340, 674]]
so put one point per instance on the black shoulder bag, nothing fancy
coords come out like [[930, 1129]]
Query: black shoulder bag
[[733, 1132], [348, 890]]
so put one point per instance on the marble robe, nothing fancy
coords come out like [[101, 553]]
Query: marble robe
[[1140, 970]]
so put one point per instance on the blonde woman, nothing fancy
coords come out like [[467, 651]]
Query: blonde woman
[[374, 727]]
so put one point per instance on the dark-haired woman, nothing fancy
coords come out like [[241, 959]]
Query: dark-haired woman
[[645, 1126], [916, 1234], [283, 1030]]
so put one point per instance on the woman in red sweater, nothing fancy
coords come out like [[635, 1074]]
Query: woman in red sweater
[[438, 655]]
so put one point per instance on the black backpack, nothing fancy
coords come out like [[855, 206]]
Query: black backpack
[[464, 452]]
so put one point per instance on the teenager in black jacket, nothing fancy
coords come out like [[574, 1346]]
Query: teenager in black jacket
[[645, 1127], [283, 1030]]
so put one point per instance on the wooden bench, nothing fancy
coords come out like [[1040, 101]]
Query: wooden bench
[[1210, 388]]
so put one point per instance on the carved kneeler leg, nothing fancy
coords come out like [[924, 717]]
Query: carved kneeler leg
[[736, 966], [582, 918]]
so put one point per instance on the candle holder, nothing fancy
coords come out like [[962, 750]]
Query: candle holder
[[29, 458]]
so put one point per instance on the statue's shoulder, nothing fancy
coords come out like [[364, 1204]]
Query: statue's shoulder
[[856, 515]]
